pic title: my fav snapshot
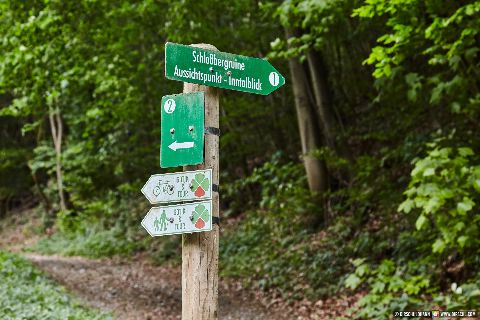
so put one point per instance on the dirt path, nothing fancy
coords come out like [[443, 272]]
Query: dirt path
[[138, 290]]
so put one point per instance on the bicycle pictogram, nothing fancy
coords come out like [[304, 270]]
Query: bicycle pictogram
[[163, 187]]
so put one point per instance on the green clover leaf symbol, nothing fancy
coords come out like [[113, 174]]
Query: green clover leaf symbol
[[200, 181], [201, 212]]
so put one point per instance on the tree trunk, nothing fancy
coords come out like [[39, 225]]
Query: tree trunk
[[323, 107], [310, 134], [46, 202], [56, 127], [325, 110]]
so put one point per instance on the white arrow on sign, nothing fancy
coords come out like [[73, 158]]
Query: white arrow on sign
[[180, 145]]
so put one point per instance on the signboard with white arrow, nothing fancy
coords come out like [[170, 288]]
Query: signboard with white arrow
[[178, 219], [179, 186], [182, 130]]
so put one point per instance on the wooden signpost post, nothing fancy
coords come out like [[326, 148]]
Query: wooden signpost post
[[200, 250], [190, 138]]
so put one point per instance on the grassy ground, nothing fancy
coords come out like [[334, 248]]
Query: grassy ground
[[25, 293]]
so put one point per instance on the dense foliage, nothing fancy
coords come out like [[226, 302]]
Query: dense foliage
[[280, 237], [106, 83], [427, 62], [28, 294], [397, 215]]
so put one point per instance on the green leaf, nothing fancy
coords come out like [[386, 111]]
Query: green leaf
[[465, 206], [362, 270], [358, 262], [406, 206], [459, 226], [429, 172], [455, 107], [465, 152], [432, 205], [421, 222], [474, 293], [438, 246], [447, 193], [352, 281], [462, 240], [476, 184], [378, 287]]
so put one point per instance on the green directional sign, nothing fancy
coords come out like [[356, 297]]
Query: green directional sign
[[220, 69], [182, 130]]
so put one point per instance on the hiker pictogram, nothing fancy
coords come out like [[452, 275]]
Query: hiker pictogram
[[161, 224]]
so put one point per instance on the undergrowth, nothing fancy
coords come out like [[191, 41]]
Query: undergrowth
[[92, 244], [25, 293], [278, 245], [280, 239], [103, 227], [298, 263]]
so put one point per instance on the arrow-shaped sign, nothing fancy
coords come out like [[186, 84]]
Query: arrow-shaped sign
[[179, 186], [220, 69], [178, 219], [180, 145]]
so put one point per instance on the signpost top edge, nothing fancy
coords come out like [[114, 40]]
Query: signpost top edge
[[216, 52], [180, 172], [184, 94], [180, 204]]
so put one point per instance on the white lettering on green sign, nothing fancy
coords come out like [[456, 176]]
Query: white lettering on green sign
[[220, 69], [182, 129]]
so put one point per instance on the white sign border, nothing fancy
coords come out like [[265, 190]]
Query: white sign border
[[174, 173], [177, 205]]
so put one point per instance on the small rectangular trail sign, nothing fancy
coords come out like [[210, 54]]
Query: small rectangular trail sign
[[178, 219], [182, 129], [220, 69], [179, 186]]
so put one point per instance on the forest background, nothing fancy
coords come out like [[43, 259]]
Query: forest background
[[361, 173]]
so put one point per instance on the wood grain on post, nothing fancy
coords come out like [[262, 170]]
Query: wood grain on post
[[200, 250]]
